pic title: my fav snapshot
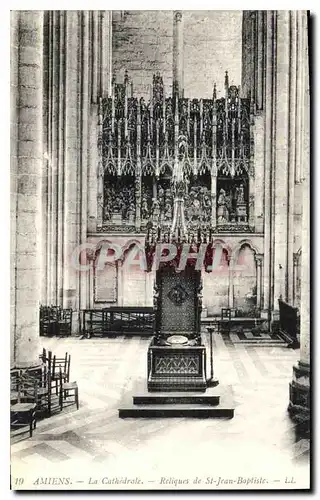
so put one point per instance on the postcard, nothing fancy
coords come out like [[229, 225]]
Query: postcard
[[160, 242]]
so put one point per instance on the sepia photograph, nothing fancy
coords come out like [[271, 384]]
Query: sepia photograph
[[160, 250]]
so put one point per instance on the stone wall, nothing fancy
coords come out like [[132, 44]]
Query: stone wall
[[212, 45], [143, 44]]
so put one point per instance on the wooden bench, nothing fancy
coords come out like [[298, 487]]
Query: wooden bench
[[224, 324], [117, 320]]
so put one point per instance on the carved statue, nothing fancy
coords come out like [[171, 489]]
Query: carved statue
[[144, 209], [223, 214], [131, 212], [106, 213], [240, 194], [117, 205], [161, 198], [193, 240], [222, 197], [196, 210], [155, 210], [168, 211]]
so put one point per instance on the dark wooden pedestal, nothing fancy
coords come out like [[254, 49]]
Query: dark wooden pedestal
[[176, 368]]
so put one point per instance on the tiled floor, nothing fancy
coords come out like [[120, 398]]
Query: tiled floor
[[259, 443]]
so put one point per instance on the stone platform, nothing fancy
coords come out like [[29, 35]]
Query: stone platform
[[216, 402]]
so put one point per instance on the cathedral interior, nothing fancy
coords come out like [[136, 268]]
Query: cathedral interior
[[109, 111]]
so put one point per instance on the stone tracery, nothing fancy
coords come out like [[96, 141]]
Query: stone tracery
[[140, 139]]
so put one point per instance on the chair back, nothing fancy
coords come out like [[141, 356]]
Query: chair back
[[46, 379], [226, 313], [14, 379], [27, 388], [62, 363], [68, 368]]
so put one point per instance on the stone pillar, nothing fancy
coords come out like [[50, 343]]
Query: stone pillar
[[95, 55], [268, 165], [231, 265], [84, 136], [70, 166], [106, 52], [260, 58], [78, 48], [291, 156], [299, 404], [27, 29], [178, 52], [281, 145], [296, 264], [101, 56], [214, 198], [259, 261]]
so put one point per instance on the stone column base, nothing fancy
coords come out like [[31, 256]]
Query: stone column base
[[299, 390]]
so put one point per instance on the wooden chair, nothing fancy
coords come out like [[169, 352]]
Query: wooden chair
[[23, 412], [45, 321], [56, 364], [44, 393], [43, 356], [65, 322], [225, 321], [14, 385], [67, 390]]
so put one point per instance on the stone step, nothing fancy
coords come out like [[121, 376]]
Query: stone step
[[175, 398], [175, 410], [216, 402]]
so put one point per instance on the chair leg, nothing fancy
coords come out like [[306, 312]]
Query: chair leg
[[31, 424]]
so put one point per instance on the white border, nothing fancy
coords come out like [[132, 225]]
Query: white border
[[5, 180]]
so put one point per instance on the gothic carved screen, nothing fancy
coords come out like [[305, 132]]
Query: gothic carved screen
[[138, 149], [178, 298]]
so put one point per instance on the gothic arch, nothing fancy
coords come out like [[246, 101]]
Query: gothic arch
[[236, 250], [224, 245], [250, 277], [133, 275], [127, 247], [100, 244]]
